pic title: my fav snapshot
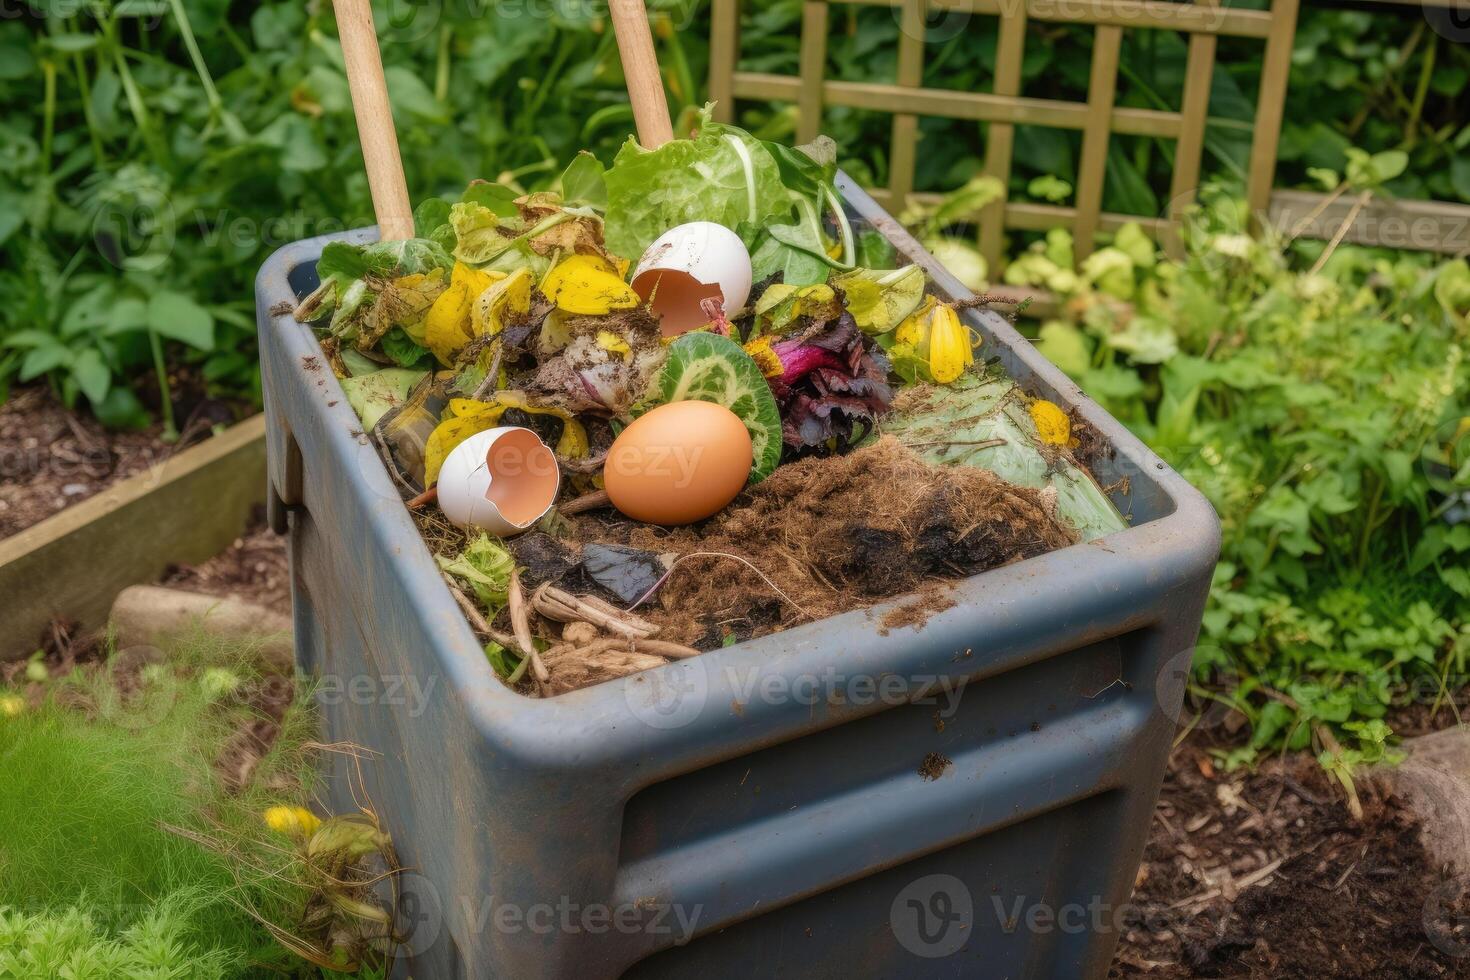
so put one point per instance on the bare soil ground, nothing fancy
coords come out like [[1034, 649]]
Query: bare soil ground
[[51, 458], [1265, 874]]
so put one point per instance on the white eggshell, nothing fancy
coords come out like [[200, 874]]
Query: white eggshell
[[710, 255], [502, 480]]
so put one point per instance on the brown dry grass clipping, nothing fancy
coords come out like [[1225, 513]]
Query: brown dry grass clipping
[[835, 534]]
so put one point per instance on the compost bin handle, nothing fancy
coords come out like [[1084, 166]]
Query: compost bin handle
[[374, 119], [640, 71]]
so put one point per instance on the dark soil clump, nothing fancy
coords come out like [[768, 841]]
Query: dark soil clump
[[930, 600], [830, 535], [934, 765]]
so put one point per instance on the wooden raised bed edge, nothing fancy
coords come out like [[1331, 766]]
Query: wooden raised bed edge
[[73, 564]]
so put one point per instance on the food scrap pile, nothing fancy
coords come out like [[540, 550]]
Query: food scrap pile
[[681, 402]]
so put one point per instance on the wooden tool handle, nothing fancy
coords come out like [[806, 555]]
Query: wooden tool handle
[[640, 69], [374, 119]]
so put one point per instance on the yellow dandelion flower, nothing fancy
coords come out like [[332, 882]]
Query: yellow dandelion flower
[[294, 821]]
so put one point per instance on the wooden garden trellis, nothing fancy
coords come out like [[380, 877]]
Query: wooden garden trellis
[[1098, 118]]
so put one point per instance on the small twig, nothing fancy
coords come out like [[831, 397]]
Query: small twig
[[477, 619], [977, 443], [1254, 878], [424, 499], [588, 501], [479, 623], [582, 467], [563, 607], [663, 648], [520, 622], [1342, 230], [718, 554]]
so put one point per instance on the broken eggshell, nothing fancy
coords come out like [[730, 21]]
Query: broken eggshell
[[690, 263], [502, 480]]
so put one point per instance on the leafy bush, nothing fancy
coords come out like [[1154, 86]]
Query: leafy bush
[[143, 183], [154, 153], [1327, 417]]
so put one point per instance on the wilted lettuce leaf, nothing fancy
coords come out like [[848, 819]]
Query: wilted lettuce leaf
[[879, 300], [477, 234], [344, 268], [723, 175], [407, 256], [957, 424], [403, 349], [485, 566]]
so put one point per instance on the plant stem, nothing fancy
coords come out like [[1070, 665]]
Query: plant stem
[[849, 251], [1342, 230], [441, 71], [1421, 91], [136, 105], [79, 67], [233, 129], [48, 126], [170, 431]]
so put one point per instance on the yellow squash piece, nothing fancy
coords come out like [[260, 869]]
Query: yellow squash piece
[[448, 325], [950, 351], [589, 286], [467, 417], [938, 337]]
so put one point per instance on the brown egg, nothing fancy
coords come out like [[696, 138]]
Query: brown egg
[[679, 463]]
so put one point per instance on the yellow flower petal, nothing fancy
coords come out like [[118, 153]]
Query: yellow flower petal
[[588, 285], [511, 294], [913, 328], [12, 705], [1052, 424]]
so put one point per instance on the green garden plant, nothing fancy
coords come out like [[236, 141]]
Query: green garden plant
[[1325, 413]]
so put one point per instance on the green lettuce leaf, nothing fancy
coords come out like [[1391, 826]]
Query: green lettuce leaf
[[485, 566], [723, 175]]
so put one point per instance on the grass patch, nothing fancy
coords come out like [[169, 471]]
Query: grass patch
[[112, 778]]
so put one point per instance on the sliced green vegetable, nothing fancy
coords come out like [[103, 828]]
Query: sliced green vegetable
[[711, 368]]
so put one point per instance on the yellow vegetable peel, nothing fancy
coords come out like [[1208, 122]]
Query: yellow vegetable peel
[[588, 285], [467, 417]]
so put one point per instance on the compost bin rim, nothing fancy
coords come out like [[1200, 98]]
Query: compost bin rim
[[1122, 571]]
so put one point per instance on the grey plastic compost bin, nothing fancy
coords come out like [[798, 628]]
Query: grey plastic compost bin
[[758, 810]]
